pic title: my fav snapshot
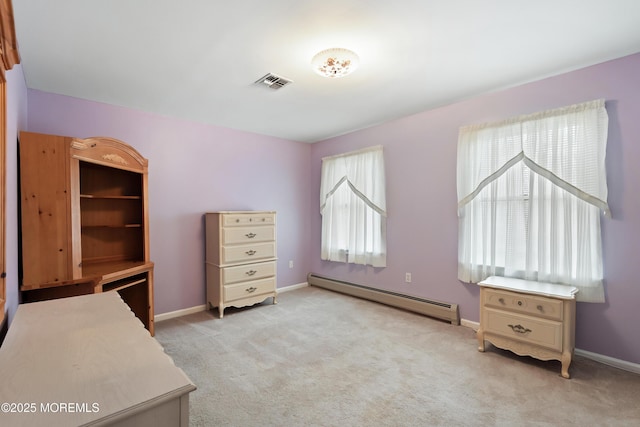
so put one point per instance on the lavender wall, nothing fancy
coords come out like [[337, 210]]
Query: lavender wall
[[16, 120], [420, 161], [195, 168]]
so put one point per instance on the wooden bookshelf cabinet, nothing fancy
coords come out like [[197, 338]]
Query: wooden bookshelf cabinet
[[84, 216]]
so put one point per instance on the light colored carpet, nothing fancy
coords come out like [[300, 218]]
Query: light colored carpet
[[320, 358]]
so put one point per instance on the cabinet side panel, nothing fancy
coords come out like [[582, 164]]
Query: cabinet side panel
[[214, 286], [45, 193], [212, 229], [145, 219]]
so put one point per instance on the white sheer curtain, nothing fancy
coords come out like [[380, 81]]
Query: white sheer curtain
[[353, 208], [530, 192]]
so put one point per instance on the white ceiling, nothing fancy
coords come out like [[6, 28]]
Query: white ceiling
[[198, 59]]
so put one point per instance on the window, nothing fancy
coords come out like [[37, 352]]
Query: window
[[530, 193], [353, 208]]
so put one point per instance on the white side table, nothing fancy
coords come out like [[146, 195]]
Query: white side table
[[528, 318]]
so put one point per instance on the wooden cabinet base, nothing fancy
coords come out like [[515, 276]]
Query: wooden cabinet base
[[55, 292], [135, 286]]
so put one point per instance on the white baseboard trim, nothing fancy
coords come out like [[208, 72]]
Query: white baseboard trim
[[198, 308], [616, 363], [469, 324], [179, 313], [292, 287]]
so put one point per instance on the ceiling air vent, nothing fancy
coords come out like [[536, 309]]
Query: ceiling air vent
[[273, 81]]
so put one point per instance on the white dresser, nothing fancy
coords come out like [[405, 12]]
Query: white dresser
[[240, 258], [528, 318], [87, 360]]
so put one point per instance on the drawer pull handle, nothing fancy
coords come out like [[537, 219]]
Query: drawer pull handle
[[251, 235], [251, 289], [501, 300], [540, 308], [519, 302], [251, 252], [519, 329], [251, 272]]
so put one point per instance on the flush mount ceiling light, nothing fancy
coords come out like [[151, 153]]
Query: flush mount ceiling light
[[335, 63]]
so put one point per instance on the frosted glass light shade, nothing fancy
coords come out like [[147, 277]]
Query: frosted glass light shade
[[335, 63]]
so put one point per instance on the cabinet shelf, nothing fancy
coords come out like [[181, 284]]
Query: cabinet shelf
[[106, 267], [113, 226], [118, 286], [95, 196]]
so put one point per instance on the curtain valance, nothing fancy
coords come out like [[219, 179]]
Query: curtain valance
[[354, 169], [567, 146]]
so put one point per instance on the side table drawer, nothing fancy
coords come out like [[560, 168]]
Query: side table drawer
[[542, 332], [249, 289], [248, 272], [538, 306]]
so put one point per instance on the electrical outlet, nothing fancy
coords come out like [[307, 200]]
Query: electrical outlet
[[291, 264], [407, 277]]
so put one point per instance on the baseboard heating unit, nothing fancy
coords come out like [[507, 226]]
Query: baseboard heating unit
[[436, 309]]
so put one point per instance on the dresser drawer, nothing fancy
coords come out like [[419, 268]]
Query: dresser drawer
[[234, 235], [527, 304], [246, 272], [542, 332], [248, 253], [243, 219], [249, 289]]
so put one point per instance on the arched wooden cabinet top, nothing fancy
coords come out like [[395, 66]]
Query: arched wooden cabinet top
[[108, 152]]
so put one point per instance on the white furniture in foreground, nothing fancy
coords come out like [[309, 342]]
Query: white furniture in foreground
[[529, 318], [87, 360]]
